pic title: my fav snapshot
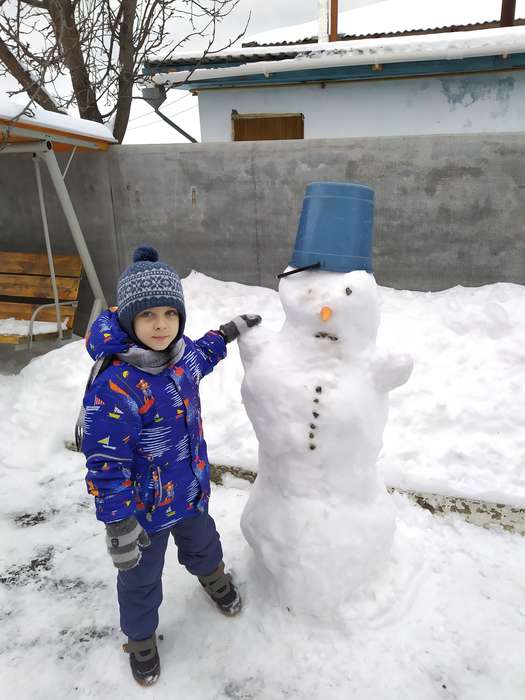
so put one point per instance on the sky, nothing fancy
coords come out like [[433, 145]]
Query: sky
[[270, 14]]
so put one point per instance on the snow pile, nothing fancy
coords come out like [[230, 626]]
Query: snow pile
[[423, 623], [469, 374], [396, 16], [13, 326], [36, 116], [455, 428]]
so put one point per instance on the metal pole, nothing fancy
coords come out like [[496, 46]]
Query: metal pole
[[74, 226], [95, 310], [48, 248], [69, 162], [28, 147], [334, 13], [508, 12]]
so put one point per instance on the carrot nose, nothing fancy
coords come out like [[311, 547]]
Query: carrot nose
[[326, 313]]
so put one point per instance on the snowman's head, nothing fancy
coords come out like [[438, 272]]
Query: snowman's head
[[332, 307]]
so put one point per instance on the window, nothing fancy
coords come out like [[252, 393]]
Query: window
[[267, 127]]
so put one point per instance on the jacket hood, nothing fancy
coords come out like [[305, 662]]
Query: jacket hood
[[106, 337]]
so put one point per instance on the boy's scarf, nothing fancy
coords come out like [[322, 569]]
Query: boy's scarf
[[152, 361]]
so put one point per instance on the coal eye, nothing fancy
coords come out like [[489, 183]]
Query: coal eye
[[348, 291]]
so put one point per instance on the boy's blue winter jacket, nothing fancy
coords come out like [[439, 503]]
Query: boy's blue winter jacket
[[143, 440]]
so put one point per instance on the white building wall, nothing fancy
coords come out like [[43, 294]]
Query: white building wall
[[488, 102]]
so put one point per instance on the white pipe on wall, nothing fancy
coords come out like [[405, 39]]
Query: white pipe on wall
[[324, 20]]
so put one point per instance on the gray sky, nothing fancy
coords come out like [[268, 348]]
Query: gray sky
[[271, 14]]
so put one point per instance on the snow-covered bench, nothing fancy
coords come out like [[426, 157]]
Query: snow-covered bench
[[27, 301]]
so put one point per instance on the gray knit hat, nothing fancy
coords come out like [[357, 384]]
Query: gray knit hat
[[146, 283]]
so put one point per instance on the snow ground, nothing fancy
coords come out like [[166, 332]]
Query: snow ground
[[447, 618]]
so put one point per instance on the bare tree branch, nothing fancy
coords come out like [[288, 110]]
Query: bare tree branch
[[89, 53], [26, 80], [5, 131]]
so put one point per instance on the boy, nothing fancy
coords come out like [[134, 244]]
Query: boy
[[145, 451]]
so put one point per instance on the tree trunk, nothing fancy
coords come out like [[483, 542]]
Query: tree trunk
[[126, 59], [67, 36]]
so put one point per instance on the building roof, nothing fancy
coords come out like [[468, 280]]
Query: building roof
[[380, 20], [289, 49], [383, 57]]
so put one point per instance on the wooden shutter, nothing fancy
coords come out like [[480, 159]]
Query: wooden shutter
[[267, 127]]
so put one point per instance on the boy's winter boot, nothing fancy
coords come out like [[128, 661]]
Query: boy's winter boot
[[144, 660], [221, 589]]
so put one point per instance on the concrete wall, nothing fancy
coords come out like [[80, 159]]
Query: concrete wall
[[489, 102], [449, 209]]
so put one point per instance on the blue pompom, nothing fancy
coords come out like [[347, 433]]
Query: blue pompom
[[145, 252]]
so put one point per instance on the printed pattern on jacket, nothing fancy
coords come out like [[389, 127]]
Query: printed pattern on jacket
[[143, 438]]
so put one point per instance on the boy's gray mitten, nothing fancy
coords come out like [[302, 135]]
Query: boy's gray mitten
[[123, 539], [240, 324]]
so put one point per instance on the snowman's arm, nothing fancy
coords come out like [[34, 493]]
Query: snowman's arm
[[391, 370], [253, 343]]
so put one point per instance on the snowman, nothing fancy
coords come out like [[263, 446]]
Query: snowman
[[319, 519]]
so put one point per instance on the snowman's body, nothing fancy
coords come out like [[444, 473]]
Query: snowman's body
[[316, 393]]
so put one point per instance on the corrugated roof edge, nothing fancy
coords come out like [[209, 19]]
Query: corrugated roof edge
[[493, 24], [253, 58]]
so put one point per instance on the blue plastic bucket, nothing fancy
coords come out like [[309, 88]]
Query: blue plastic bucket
[[336, 227]]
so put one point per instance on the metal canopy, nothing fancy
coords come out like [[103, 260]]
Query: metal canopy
[[42, 140]]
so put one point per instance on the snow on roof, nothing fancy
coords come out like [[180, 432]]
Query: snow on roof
[[64, 123], [429, 47], [396, 16]]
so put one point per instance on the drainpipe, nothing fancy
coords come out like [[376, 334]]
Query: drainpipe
[[508, 12], [324, 16], [174, 126], [334, 13], [155, 97]]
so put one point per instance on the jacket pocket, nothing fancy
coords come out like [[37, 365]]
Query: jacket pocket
[[150, 489]]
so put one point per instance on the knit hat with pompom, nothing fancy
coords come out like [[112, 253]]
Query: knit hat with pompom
[[147, 283]]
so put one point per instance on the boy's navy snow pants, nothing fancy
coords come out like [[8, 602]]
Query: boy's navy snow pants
[[140, 589]]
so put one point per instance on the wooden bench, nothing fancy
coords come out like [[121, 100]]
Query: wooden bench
[[26, 292]]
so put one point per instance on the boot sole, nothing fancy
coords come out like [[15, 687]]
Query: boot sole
[[146, 682], [234, 609]]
